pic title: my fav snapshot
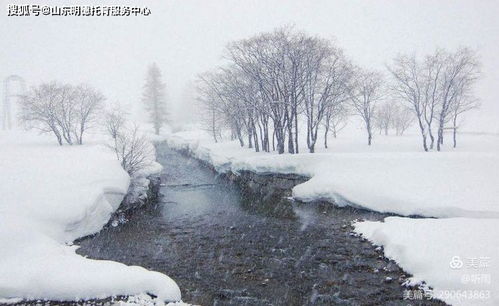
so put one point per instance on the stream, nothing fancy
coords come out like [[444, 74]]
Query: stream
[[222, 251]]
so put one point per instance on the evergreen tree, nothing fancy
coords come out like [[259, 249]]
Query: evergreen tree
[[153, 98]]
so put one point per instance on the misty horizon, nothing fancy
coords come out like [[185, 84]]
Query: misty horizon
[[186, 38]]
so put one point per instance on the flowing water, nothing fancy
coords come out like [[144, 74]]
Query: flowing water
[[223, 249]]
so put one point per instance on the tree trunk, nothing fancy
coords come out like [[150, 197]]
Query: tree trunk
[[280, 142], [280, 135], [369, 133], [326, 131], [255, 135], [454, 138], [67, 137], [454, 135], [213, 126], [291, 145], [440, 140], [250, 140], [57, 135], [423, 133], [261, 134], [273, 140], [265, 138], [296, 132], [432, 138], [240, 138]]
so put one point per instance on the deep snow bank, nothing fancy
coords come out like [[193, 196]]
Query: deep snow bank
[[50, 196], [455, 256]]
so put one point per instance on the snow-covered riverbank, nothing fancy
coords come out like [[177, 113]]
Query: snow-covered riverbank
[[52, 195], [394, 176]]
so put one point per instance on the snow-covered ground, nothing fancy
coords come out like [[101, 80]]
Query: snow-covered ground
[[395, 176], [455, 256], [50, 196]]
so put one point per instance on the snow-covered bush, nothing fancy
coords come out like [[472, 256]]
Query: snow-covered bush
[[134, 151]]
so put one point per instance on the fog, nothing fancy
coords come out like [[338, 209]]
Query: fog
[[187, 37]]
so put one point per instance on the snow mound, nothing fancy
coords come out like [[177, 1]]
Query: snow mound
[[51, 196], [457, 257]]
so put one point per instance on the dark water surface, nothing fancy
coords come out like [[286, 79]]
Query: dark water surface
[[222, 251]]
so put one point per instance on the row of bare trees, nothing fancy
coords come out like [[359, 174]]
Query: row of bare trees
[[270, 81], [274, 83], [438, 88], [393, 115]]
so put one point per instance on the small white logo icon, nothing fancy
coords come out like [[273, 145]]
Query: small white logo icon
[[456, 262]]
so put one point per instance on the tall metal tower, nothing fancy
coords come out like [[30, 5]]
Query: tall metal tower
[[7, 111]]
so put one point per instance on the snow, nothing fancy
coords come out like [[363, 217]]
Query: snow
[[52, 195], [426, 248], [145, 300], [387, 177], [459, 186], [438, 185]]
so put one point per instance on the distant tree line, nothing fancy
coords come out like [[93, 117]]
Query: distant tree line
[[275, 84]]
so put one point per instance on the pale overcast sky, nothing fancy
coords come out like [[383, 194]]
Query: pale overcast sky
[[186, 37]]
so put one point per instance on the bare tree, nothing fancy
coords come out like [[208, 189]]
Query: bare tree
[[154, 98], [243, 105], [460, 74], [87, 102], [265, 59], [65, 110], [384, 116], [365, 92], [115, 119], [402, 119], [324, 84], [133, 150], [461, 105], [335, 120], [407, 86], [39, 110], [210, 117], [432, 69], [217, 110]]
